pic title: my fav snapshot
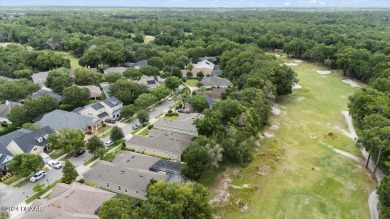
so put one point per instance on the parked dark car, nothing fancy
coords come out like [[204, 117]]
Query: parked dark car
[[112, 121], [181, 111], [79, 152]]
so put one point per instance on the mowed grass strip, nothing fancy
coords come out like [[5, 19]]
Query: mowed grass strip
[[293, 175]]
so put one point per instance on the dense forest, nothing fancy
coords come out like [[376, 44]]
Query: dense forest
[[356, 42]]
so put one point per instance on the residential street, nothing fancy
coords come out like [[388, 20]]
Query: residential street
[[13, 196]]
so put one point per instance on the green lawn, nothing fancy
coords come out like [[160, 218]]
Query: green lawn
[[144, 132], [22, 183], [192, 82], [57, 154], [12, 179], [148, 38], [36, 195], [74, 61], [293, 175], [171, 117]]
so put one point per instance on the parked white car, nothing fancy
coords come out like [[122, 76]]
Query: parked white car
[[55, 164], [109, 143], [45, 157], [37, 176]]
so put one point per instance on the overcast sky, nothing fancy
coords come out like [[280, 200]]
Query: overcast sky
[[203, 3]]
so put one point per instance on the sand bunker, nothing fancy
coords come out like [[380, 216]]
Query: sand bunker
[[351, 82], [323, 72], [298, 60], [275, 110], [297, 86], [289, 64]]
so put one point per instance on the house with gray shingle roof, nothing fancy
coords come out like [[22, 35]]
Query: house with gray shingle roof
[[40, 77], [150, 82], [5, 154], [47, 92], [215, 81], [140, 64], [160, 143], [109, 108], [115, 69], [5, 109], [76, 201], [59, 119], [32, 142], [130, 173], [184, 124]]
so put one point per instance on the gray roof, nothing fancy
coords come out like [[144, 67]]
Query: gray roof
[[216, 72], [2, 78], [34, 138], [7, 107], [6, 139], [114, 69], [106, 90], [210, 101], [59, 119], [135, 160], [40, 77], [212, 58], [163, 141], [128, 64], [184, 122], [76, 201], [97, 106], [135, 179], [166, 166], [141, 63], [216, 81], [112, 102], [102, 115], [47, 92]]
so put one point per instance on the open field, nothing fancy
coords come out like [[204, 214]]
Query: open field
[[74, 61], [294, 173], [192, 82]]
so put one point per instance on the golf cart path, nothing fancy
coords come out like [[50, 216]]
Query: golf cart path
[[373, 200]]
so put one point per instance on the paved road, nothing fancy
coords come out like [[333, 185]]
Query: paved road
[[12, 196], [373, 200]]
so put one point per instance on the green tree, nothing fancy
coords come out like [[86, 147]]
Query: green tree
[[167, 200], [127, 91], [4, 215], [143, 116], [132, 74], [116, 134], [172, 82], [112, 77], [145, 100], [100, 152], [119, 208], [32, 108], [128, 111], [197, 161], [198, 103], [149, 70], [16, 90], [67, 140], [384, 196], [58, 80], [91, 59], [156, 62], [69, 173], [38, 187], [93, 144], [25, 164], [85, 76], [76, 96], [160, 92]]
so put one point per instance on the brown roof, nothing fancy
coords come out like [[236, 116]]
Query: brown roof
[[94, 90], [216, 93], [72, 72], [206, 71], [70, 201]]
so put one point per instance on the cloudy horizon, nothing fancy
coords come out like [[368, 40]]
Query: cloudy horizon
[[204, 3]]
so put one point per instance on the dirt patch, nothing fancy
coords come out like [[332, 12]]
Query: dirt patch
[[298, 60], [275, 110], [351, 82], [267, 135], [289, 64], [296, 86], [323, 72], [221, 194]]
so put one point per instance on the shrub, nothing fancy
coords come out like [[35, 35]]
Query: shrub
[[81, 181], [89, 132], [169, 111], [123, 145], [150, 127], [4, 124], [104, 125]]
